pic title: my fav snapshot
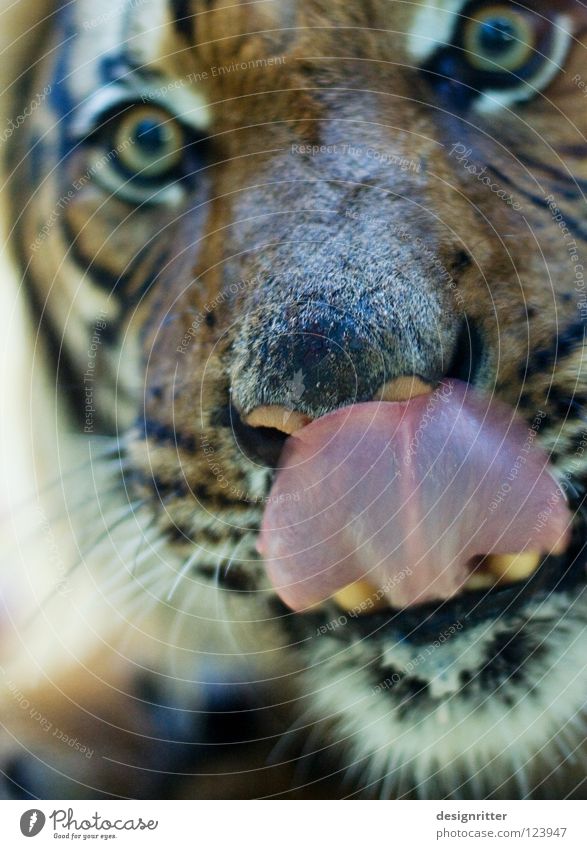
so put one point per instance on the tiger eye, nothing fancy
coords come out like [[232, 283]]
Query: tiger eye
[[499, 38], [148, 141]]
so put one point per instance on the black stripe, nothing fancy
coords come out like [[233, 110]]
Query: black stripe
[[162, 433], [183, 19], [116, 284], [67, 376], [537, 200], [579, 185], [544, 359], [61, 357]]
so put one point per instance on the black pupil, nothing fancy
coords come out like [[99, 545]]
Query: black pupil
[[496, 36], [151, 136]]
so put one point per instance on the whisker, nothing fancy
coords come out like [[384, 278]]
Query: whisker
[[180, 619], [65, 512], [133, 611], [129, 511], [298, 728], [138, 612], [221, 595], [141, 543], [153, 549], [134, 588], [110, 523], [184, 571], [122, 589], [46, 487], [120, 573], [308, 755]]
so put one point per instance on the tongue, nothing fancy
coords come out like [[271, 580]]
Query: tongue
[[406, 496]]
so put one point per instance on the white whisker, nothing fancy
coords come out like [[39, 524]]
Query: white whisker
[[184, 571]]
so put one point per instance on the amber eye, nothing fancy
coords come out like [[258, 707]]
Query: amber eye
[[501, 53], [500, 38], [148, 142]]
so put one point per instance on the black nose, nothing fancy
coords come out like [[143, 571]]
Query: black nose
[[321, 362], [328, 365]]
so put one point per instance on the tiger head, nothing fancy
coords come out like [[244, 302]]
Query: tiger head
[[237, 219]]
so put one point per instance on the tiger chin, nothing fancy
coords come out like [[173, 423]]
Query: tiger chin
[[234, 229]]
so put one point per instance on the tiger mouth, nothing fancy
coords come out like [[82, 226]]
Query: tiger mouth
[[424, 623], [395, 505]]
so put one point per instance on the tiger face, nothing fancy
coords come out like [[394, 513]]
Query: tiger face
[[256, 215]]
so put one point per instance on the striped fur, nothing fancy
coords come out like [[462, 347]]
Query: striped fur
[[312, 135]]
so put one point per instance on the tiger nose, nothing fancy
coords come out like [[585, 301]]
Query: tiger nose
[[263, 432], [325, 362]]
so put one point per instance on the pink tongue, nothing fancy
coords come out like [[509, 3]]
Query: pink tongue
[[404, 495]]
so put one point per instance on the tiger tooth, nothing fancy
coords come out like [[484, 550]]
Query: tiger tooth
[[513, 567], [480, 581], [360, 597]]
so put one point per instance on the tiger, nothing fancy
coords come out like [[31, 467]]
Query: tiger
[[225, 223]]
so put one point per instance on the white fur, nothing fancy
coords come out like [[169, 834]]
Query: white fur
[[434, 24], [469, 744]]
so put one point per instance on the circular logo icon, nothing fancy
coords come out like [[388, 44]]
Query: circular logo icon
[[32, 822]]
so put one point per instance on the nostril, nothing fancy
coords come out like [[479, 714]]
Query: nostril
[[260, 444], [469, 354]]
